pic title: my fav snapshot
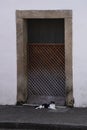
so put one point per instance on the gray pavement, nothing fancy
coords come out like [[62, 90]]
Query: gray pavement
[[25, 117]]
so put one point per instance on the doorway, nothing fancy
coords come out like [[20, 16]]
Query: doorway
[[46, 61], [44, 53]]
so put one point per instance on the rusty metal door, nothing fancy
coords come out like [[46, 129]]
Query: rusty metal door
[[46, 66]]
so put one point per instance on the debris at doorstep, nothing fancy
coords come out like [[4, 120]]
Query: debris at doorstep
[[51, 105]]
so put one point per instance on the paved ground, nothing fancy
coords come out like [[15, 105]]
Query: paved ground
[[29, 118]]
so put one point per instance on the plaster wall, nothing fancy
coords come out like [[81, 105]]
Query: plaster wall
[[8, 58]]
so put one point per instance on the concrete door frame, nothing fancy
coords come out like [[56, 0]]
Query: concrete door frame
[[21, 17]]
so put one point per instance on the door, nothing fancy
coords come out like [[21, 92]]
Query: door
[[46, 61]]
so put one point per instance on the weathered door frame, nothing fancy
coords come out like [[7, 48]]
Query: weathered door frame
[[21, 17]]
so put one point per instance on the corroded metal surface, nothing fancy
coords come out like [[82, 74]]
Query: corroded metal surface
[[46, 71]]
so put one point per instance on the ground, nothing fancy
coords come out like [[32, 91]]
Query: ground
[[25, 117]]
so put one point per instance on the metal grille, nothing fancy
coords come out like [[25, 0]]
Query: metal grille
[[46, 70]]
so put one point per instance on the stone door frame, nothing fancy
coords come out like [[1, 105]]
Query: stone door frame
[[21, 27]]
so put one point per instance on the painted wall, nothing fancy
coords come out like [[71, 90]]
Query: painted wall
[[8, 68]]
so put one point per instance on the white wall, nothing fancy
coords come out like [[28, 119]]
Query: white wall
[[8, 68]]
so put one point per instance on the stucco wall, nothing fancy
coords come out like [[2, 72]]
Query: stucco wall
[[8, 68]]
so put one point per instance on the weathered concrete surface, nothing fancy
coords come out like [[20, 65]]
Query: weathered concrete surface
[[25, 117]]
